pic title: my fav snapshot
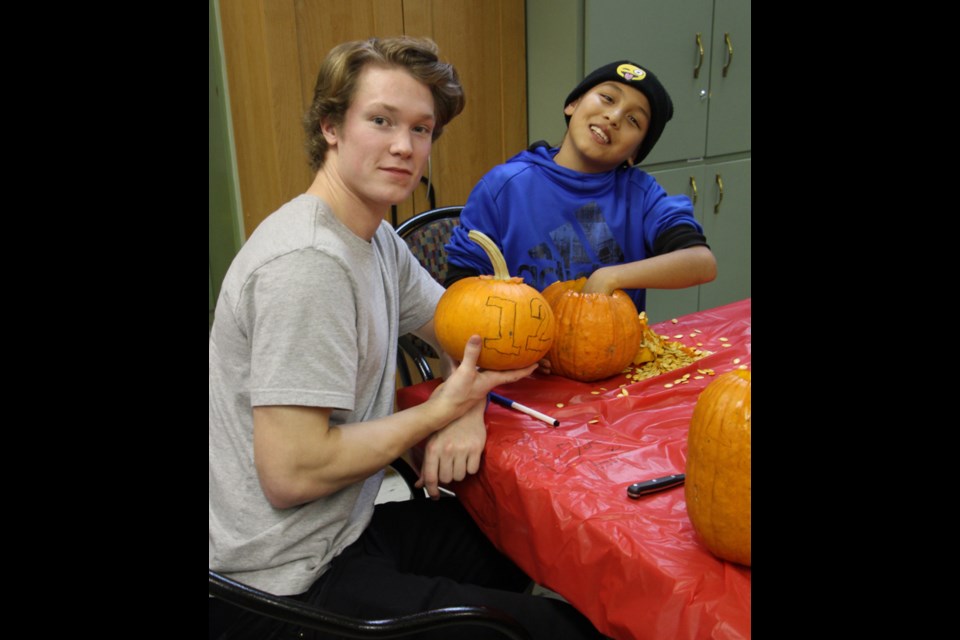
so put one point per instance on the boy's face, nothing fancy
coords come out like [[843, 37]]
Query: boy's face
[[383, 145], [607, 125]]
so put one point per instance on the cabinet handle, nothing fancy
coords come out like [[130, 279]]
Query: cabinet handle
[[696, 71], [693, 186], [726, 38], [716, 207]]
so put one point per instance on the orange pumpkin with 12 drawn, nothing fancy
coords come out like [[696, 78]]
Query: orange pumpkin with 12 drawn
[[597, 335], [717, 485], [513, 319]]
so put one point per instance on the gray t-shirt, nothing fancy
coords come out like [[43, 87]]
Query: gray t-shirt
[[308, 314]]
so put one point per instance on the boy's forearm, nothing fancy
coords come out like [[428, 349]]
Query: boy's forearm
[[675, 270]]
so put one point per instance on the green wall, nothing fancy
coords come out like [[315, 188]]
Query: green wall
[[554, 64], [226, 231]]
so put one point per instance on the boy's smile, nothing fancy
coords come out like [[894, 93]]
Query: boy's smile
[[600, 133], [607, 125]]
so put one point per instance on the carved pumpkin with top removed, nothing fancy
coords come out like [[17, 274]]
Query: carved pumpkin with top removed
[[597, 334]]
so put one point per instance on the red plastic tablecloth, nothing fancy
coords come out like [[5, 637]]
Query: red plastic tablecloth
[[554, 499]]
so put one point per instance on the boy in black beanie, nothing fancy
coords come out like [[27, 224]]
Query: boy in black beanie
[[580, 209], [654, 105]]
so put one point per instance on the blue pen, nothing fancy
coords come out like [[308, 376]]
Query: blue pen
[[510, 404]]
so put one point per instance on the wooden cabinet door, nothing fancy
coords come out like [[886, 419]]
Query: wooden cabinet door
[[486, 42], [273, 51]]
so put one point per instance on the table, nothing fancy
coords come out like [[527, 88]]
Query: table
[[554, 499]]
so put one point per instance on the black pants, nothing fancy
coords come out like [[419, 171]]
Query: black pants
[[417, 555]]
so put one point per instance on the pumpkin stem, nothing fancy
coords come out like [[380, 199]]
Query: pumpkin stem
[[493, 252]]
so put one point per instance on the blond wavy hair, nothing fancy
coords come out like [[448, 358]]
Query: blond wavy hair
[[340, 71]]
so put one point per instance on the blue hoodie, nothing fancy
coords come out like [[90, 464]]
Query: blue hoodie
[[552, 223]]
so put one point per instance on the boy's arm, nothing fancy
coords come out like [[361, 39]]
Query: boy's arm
[[674, 270], [300, 457]]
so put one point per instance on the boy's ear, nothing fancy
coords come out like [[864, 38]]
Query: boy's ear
[[329, 131], [568, 110]]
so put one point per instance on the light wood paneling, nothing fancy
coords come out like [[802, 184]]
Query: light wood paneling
[[273, 51], [322, 24], [486, 43], [252, 108]]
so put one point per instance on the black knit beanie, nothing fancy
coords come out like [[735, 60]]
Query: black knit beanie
[[639, 78]]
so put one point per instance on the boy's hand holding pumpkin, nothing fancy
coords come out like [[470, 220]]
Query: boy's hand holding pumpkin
[[455, 450]]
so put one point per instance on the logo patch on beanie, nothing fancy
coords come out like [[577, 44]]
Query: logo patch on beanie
[[631, 72]]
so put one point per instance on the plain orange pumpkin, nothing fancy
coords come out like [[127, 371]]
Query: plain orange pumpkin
[[717, 486], [597, 334], [513, 318]]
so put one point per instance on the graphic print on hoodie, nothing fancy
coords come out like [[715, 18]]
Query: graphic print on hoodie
[[552, 223]]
